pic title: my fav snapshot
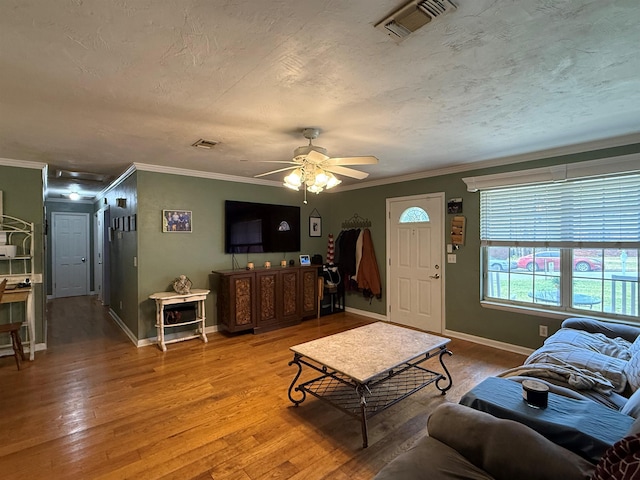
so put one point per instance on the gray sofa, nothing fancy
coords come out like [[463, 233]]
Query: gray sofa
[[463, 443]]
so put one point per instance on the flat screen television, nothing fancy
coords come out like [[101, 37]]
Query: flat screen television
[[260, 227]]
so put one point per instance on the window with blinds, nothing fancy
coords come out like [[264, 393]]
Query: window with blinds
[[564, 246], [589, 212]]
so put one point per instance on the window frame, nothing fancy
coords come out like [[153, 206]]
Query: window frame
[[604, 168]]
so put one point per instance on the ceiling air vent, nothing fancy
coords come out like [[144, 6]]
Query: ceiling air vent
[[415, 14], [207, 144]]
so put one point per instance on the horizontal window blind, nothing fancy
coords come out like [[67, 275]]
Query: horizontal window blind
[[596, 211]]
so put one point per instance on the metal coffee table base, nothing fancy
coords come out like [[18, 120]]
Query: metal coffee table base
[[364, 400]]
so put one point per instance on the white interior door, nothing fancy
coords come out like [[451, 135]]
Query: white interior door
[[70, 254], [415, 255]]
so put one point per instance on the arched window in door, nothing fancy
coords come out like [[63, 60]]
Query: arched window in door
[[414, 215]]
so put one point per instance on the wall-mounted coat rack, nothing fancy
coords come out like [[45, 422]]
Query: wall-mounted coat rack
[[356, 222]]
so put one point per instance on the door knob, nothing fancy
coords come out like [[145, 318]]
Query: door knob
[[436, 276], [83, 260]]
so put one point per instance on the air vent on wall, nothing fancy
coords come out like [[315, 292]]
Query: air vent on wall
[[208, 144], [417, 13]]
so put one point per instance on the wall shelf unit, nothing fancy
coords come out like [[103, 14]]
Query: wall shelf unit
[[16, 265]]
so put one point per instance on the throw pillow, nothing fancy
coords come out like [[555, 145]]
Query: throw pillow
[[632, 372], [635, 346], [621, 461], [632, 407]]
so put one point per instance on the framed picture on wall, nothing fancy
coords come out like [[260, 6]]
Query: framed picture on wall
[[315, 226], [177, 221]]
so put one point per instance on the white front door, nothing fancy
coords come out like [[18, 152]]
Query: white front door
[[70, 247], [415, 270]]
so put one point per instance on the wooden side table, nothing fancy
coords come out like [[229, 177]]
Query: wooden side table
[[24, 295], [163, 299]]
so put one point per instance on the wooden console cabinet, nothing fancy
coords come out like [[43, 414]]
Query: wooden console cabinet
[[266, 299]]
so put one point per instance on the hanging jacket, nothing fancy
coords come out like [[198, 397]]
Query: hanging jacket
[[368, 273]]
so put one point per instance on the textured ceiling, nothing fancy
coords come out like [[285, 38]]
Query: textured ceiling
[[97, 85]]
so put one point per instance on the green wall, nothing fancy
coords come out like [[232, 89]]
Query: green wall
[[463, 279], [164, 256], [123, 248], [23, 198]]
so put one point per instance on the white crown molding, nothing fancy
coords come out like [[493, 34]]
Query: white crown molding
[[10, 162], [539, 155], [200, 174], [123, 176], [498, 162]]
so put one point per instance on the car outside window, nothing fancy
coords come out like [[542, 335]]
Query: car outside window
[[602, 281]]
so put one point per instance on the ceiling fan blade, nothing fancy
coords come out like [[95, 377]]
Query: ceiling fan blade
[[316, 157], [369, 160], [271, 161], [347, 172], [275, 171]]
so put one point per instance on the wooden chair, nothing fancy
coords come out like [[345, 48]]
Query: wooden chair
[[12, 329]]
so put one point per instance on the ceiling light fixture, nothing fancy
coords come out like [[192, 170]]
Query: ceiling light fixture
[[74, 196], [314, 171], [311, 177]]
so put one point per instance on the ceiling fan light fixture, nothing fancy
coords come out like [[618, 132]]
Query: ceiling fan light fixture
[[294, 179], [314, 189], [333, 181], [292, 187], [322, 178]]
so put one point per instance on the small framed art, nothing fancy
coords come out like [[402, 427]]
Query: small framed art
[[177, 221], [315, 226]]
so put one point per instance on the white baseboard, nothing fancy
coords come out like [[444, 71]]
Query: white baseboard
[[489, 343], [364, 313], [153, 340], [451, 333], [123, 327]]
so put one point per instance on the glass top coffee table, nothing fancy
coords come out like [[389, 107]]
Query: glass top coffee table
[[365, 370]]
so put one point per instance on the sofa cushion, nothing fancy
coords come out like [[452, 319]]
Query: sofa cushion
[[610, 329], [632, 407], [596, 342], [635, 346], [503, 448], [621, 461], [632, 371], [432, 459]]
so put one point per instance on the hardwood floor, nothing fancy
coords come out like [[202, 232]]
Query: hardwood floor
[[93, 406]]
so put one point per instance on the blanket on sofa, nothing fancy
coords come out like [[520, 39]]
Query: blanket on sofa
[[580, 379], [586, 360]]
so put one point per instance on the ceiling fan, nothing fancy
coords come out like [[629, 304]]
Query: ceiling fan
[[314, 171]]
